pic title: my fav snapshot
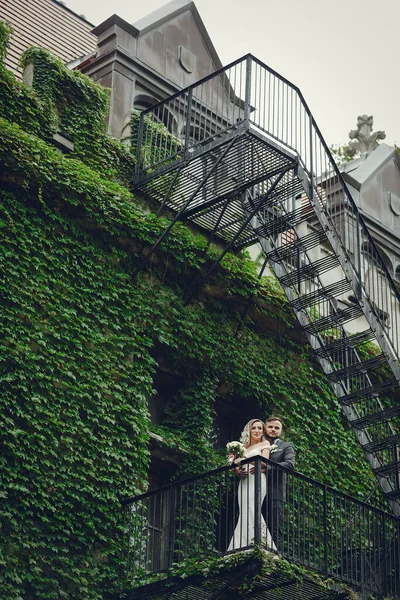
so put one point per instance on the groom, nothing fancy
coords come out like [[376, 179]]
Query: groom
[[282, 453]]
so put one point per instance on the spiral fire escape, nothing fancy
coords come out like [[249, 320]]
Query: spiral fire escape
[[239, 154]]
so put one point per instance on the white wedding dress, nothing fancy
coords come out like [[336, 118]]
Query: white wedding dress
[[244, 532]]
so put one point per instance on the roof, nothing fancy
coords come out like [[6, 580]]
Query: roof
[[48, 24], [161, 16], [171, 43], [169, 11], [362, 169]]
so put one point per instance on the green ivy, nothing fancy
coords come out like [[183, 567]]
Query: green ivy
[[260, 564], [5, 34], [78, 336], [18, 103], [77, 108], [75, 380]]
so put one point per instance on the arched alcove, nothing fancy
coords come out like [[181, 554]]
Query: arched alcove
[[369, 251], [197, 134], [160, 113]]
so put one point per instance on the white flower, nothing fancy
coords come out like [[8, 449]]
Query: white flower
[[235, 448], [273, 448]]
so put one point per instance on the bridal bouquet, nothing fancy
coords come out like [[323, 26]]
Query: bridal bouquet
[[235, 448]]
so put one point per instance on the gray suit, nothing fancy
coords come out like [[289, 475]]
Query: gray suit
[[276, 489]]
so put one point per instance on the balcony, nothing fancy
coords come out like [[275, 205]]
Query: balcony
[[321, 531], [238, 155]]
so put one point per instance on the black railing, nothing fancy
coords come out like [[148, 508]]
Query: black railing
[[311, 524], [239, 154], [247, 95]]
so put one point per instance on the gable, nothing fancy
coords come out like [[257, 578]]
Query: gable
[[177, 50], [376, 183], [380, 196]]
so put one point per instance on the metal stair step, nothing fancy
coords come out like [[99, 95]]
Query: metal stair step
[[280, 223], [333, 320], [345, 344], [363, 367], [382, 415], [303, 244], [263, 201], [325, 293], [310, 270], [272, 197], [388, 469], [381, 388], [386, 442]]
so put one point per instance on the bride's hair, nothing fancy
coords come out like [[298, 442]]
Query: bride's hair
[[245, 435]]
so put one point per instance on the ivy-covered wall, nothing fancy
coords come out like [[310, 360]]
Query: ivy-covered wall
[[80, 333]]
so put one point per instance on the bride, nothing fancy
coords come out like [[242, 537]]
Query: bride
[[253, 440]]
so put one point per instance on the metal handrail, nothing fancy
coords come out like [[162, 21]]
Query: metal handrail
[[196, 518], [254, 95], [224, 468]]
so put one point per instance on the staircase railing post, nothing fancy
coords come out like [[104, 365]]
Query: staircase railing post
[[247, 97], [188, 119], [138, 148], [311, 158], [257, 500], [171, 534], [383, 558], [357, 256], [325, 517]]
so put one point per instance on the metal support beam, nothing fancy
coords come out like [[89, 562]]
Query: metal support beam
[[250, 300], [240, 188], [178, 216], [244, 225], [193, 280], [170, 188]]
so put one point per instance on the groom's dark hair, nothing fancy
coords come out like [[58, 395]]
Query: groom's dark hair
[[274, 419]]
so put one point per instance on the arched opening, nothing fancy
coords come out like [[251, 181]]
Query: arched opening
[[197, 135], [376, 281], [161, 113], [397, 274], [370, 252]]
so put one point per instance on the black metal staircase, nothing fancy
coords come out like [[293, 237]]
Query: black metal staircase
[[239, 154]]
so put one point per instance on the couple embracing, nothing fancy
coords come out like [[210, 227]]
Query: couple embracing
[[261, 439]]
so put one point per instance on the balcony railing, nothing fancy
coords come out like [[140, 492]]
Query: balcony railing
[[312, 524]]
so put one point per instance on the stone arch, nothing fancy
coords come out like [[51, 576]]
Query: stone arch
[[161, 113], [370, 253], [397, 273], [197, 134], [142, 101]]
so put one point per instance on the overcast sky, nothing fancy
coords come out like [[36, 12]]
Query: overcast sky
[[342, 54]]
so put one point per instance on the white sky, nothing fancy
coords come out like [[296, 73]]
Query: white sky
[[342, 54]]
